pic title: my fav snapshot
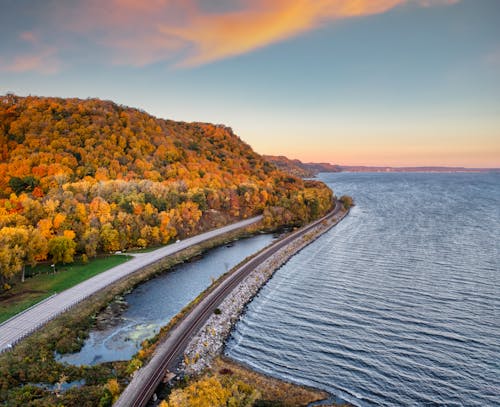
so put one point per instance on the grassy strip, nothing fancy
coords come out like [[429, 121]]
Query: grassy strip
[[33, 359], [44, 283]]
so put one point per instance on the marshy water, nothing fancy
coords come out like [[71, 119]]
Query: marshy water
[[152, 304]]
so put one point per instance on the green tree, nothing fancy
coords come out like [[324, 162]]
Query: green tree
[[347, 201], [110, 238], [28, 183], [61, 249]]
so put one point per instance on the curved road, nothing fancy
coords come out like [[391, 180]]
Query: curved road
[[169, 352], [25, 323]]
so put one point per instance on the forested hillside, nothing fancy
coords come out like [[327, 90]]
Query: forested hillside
[[300, 169], [290, 166], [80, 177]]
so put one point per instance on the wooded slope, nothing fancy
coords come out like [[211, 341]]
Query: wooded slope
[[79, 177], [300, 169]]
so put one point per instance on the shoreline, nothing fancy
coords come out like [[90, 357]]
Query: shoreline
[[209, 343]]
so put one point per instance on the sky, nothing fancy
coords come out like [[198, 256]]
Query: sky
[[352, 82]]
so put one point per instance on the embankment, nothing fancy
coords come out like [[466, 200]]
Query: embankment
[[209, 342]]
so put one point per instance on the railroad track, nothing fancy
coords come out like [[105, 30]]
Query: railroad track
[[167, 355]]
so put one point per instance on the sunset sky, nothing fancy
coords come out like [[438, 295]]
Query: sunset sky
[[372, 82]]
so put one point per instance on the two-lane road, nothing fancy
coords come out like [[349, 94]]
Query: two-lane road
[[25, 323]]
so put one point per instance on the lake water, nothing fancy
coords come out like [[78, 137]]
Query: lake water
[[152, 304], [398, 305]]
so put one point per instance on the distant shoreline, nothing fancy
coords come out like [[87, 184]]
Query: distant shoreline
[[310, 170], [418, 169]]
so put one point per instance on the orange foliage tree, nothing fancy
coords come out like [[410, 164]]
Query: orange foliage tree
[[118, 178]]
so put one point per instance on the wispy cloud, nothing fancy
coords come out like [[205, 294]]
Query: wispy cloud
[[39, 57], [28, 36], [188, 33], [430, 3], [44, 62], [493, 58]]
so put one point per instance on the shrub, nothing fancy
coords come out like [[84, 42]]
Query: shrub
[[347, 201]]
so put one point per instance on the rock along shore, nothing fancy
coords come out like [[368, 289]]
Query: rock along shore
[[210, 340]]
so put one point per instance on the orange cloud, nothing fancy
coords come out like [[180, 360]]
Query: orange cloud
[[202, 36], [186, 32], [260, 23]]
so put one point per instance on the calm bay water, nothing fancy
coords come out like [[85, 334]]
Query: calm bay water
[[153, 303], [398, 305]]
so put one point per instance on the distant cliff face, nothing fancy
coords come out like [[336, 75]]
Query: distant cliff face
[[308, 170], [300, 169], [293, 167], [109, 177]]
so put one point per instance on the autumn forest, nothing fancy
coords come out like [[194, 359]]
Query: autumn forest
[[84, 177]]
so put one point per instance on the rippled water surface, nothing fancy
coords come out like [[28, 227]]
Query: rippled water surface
[[153, 303], [398, 305]]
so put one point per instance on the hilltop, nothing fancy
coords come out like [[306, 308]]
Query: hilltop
[[80, 177], [298, 168]]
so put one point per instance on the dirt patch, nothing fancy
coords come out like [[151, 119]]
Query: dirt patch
[[10, 297]]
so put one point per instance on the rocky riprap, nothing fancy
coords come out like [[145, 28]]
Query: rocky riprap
[[209, 342]]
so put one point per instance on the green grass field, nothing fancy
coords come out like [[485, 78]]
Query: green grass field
[[44, 283]]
